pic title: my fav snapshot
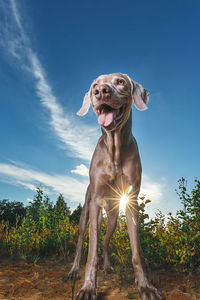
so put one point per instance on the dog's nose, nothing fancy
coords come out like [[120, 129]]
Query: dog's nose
[[102, 91]]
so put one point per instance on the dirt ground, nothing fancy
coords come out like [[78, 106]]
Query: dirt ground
[[48, 280]]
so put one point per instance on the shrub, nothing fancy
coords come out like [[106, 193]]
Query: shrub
[[166, 241]]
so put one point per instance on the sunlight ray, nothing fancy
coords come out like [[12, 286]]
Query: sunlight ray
[[124, 196]]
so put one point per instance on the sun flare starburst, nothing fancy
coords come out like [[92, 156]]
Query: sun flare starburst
[[123, 198], [123, 202]]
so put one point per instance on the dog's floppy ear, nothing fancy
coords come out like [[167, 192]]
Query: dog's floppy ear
[[85, 106], [140, 95]]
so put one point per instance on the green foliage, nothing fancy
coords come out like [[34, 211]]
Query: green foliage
[[13, 212], [120, 244], [61, 206], [187, 225], [44, 229], [174, 240], [75, 216]]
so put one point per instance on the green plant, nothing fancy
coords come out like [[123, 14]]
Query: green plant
[[166, 241]]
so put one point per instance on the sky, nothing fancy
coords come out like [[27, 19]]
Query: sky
[[50, 52]]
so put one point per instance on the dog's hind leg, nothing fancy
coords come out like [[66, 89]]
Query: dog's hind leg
[[112, 222], [146, 289], [74, 272]]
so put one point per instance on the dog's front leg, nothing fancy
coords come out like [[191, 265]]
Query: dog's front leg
[[88, 291], [74, 272], [146, 289]]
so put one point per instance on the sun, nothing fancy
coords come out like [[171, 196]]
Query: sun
[[123, 202], [123, 196]]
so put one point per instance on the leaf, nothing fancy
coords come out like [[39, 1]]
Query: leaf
[[147, 201]]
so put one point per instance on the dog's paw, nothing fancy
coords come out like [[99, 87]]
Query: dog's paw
[[86, 292], [108, 269], [74, 273], [148, 291]]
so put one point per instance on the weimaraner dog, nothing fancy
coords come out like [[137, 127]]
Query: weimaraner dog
[[115, 167]]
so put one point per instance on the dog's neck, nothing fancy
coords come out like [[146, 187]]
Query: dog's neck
[[115, 140]]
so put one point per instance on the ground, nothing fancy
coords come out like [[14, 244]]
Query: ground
[[48, 280]]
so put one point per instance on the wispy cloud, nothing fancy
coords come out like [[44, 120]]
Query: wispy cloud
[[81, 170], [152, 189], [79, 139], [71, 188]]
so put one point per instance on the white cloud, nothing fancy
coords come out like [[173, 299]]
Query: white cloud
[[28, 186], [68, 186], [29, 200], [79, 139], [71, 188], [81, 170], [152, 189]]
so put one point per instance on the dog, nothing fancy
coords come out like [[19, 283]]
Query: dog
[[115, 167]]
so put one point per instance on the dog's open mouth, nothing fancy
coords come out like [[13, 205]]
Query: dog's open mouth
[[109, 116]]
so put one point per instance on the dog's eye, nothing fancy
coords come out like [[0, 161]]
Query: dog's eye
[[94, 85], [120, 82]]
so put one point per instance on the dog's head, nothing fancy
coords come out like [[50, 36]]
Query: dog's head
[[111, 97]]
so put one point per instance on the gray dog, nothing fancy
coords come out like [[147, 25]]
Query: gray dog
[[115, 168]]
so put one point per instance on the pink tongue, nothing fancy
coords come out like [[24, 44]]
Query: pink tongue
[[105, 119]]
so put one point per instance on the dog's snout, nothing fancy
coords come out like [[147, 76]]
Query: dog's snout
[[105, 89], [102, 91]]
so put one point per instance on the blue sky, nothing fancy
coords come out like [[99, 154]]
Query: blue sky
[[50, 54]]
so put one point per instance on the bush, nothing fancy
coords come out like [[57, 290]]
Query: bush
[[44, 230], [13, 212]]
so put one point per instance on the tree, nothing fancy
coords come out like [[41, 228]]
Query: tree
[[61, 206], [75, 216], [13, 212], [35, 207]]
